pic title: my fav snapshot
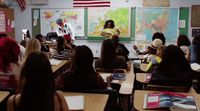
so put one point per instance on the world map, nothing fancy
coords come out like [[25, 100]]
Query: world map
[[151, 20], [73, 16], [98, 16]]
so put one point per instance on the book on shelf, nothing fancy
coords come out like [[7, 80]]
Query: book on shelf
[[119, 76], [169, 100], [75, 103]]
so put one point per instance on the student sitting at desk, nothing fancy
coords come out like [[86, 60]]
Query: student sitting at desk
[[109, 58], [32, 45], [174, 69], [121, 49], [156, 35], [44, 48], [37, 87], [63, 50], [154, 61], [82, 75], [9, 63], [194, 50]]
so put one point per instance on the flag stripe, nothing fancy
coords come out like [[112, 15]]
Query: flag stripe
[[91, 3], [22, 4], [93, 6]]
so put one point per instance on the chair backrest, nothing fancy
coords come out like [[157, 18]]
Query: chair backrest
[[51, 35], [110, 70], [167, 88]]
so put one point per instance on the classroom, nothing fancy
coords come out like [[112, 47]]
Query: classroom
[[99, 55]]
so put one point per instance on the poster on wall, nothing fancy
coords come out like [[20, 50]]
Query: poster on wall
[[195, 16], [151, 20], [98, 16], [73, 16], [2, 22], [156, 3]]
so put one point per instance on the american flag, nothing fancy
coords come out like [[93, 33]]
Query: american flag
[[22, 4], [91, 3]]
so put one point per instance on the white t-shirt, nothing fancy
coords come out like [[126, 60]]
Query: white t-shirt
[[68, 29]]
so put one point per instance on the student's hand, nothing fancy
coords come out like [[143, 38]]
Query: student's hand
[[118, 32], [109, 78]]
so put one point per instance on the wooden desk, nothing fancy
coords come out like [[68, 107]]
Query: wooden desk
[[57, 67], [139, 99], [127, 85], [93, 102], [137, 57], [3, 95], [141, 77], [50, 45], [143, 67]]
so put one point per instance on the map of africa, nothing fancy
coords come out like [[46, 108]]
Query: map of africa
[[151, 20], [98, 16]]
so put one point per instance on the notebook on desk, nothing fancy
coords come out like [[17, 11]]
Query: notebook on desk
[[75, 102], [119, 76], [169, 100]]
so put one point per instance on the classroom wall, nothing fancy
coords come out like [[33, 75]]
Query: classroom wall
[[23, 19]]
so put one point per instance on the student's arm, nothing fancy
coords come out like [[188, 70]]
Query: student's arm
[[129, 65], [188, 55], [72, 31], [63, 101], [10, 103], [118, 32]]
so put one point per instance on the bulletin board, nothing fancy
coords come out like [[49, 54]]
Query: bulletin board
[[7, 22], [195, 16]]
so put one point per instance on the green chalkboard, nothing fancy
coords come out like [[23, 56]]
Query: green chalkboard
[[184, 15]]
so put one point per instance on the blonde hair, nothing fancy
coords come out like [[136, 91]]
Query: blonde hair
[[32, 45], [160, 50]]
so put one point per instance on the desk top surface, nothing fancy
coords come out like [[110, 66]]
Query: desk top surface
[[56, 67], [142, 77], [127, 85], [139, 99], [92, 102], [3, 95]]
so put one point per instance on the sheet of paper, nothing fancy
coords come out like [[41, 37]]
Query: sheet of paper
[[195, 66], [75, 102], [181, 23], [12, 24], [55, 62]]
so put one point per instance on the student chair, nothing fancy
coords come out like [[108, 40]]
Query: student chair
[[51, 36]]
